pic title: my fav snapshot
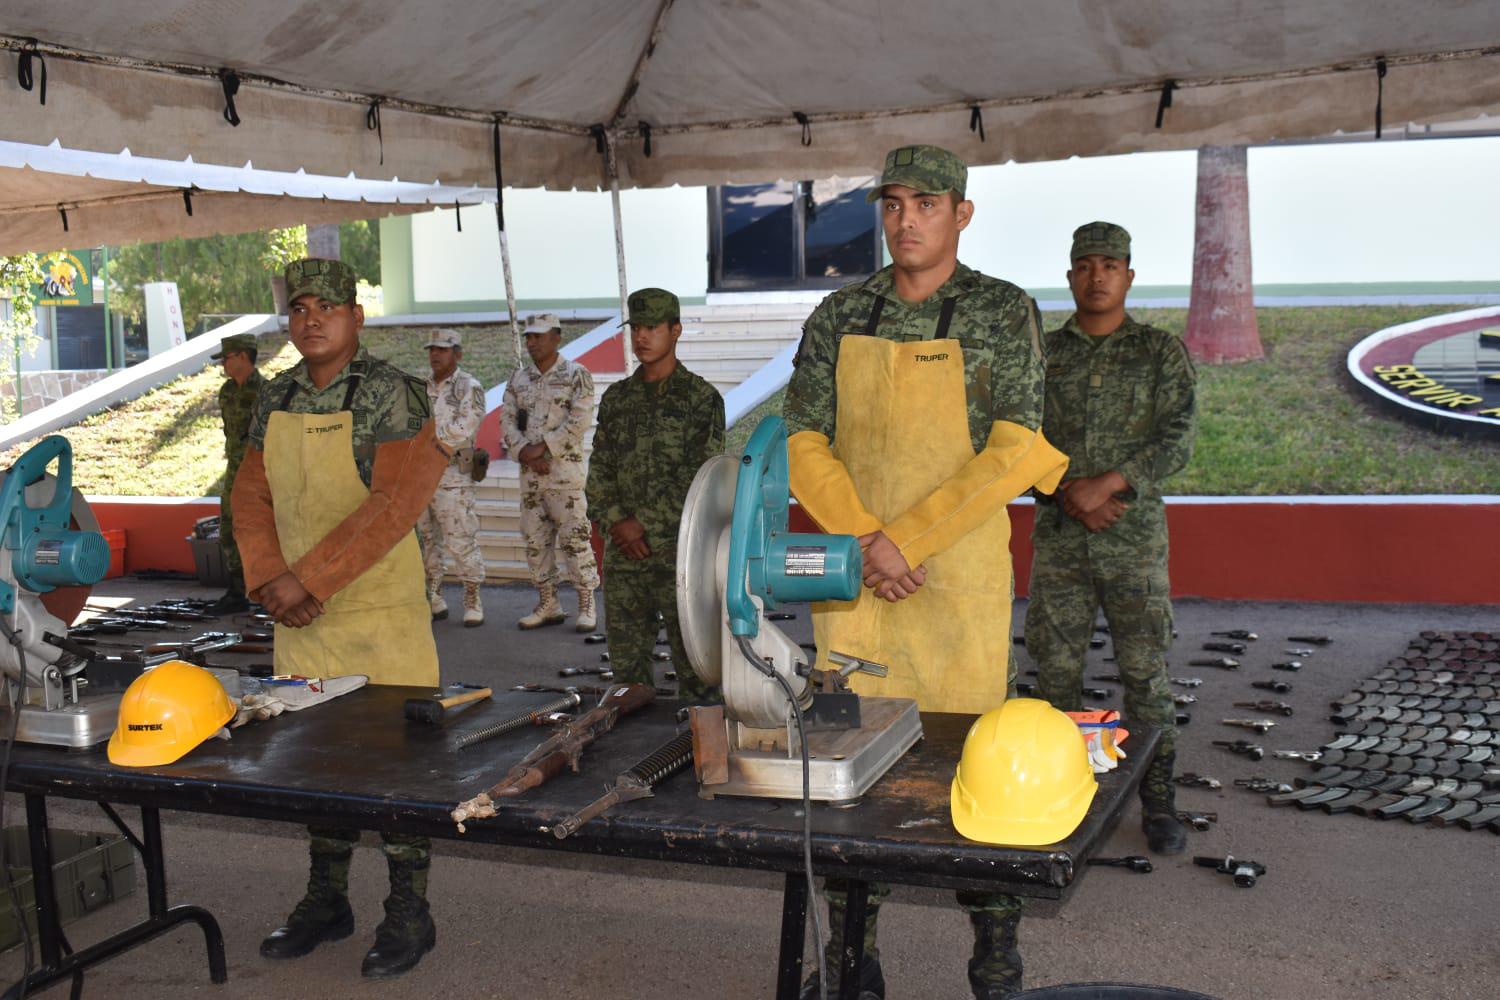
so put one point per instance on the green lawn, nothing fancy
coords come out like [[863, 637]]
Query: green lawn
[[170, 442], [1295, 423], [1291, 424]]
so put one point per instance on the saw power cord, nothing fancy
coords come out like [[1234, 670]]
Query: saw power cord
[[769, 670], [10, 883]]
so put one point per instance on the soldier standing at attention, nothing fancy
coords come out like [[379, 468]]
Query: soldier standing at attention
[[914, 415], [549, 405], [655, 429], [236, 402], [449, 523], [1120, 402], [343, 456]]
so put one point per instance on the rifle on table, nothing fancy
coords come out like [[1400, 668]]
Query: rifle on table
[[561, 749], [671, 757]]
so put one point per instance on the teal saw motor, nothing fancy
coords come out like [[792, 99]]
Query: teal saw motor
[[48, 541], [736, 561]]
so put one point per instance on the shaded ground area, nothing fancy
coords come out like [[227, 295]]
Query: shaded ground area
[[1351, 908], [1295, 423]]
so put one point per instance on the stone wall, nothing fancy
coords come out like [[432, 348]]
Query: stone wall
[[40, 388]]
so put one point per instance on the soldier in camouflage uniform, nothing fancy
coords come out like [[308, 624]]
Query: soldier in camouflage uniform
[[548, 407], [237, 395], [655, 429], [927, 297], [449, 523], [345, 588], [1120, 402]]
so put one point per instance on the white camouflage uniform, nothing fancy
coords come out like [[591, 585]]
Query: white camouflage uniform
[[449, 523], [559, 407]]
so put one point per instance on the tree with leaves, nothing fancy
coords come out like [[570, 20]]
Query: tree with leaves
[[19, 277]]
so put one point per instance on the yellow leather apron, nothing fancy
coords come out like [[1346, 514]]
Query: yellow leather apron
[[903, 429], [380, 624]]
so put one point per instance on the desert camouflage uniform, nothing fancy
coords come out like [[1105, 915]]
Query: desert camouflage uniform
[[449, 523], [387, 405], [651, 439], [236, 404], [1124, 402], [999, 328], [558, 406]]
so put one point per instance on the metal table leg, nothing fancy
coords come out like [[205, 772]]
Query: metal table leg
[[793, 927], [855, 913], [55, 966]]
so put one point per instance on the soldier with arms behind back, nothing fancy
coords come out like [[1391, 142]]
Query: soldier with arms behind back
[[548, 407], [655, 429], [236, 403], [1121, 402], [449, 525]]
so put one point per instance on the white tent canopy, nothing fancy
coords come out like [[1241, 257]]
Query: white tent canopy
[[723, 89], [117, 198]]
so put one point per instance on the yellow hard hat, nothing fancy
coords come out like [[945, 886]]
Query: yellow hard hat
[[166, 712], [1024, 777]]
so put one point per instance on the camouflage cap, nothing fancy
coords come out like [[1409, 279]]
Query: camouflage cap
[[445, 337], [237, 342], [929, 169], [1102, 238], [650, 306], [327, 279], [542, 323]]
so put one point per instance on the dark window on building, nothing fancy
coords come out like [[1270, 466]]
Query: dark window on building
[[80, 336], [790, 235]]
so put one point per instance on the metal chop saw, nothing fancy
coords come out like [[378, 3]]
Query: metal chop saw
[[51, 551], [735, 562]]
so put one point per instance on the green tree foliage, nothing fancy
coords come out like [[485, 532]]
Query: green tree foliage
[[215, 274], [19, 276], [359, 246]]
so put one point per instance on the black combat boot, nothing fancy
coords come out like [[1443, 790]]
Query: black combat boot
[[407, 932], [995, 969], [323, 914], [1165, 833], [233, 602], [871, 978]]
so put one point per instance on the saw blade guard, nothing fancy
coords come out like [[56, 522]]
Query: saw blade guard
[[736, 560]]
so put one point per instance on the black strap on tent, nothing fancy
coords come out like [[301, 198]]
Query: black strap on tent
[[597, 131], [645, 128], [806, 124], [24, 77], [230, 81], [372, 124], [63, 211], [1165, 101], [499, 177], [976, 121], [187, 200], [1379, 92], [458, 214]]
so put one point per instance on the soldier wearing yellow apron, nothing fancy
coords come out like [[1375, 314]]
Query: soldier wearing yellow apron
[[342, 458], [914, 413]]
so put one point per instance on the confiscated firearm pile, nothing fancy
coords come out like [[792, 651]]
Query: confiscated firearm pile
[[560, 750], [1418, 740]]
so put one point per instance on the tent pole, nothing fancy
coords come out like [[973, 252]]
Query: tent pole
[[510, 302], [614, 198]]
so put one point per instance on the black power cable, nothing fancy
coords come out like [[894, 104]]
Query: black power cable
[[769, 670]]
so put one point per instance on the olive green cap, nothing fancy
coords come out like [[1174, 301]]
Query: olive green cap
[[652, 306], [1104, 238], [245, 342], [327, 279], [928, 169]]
